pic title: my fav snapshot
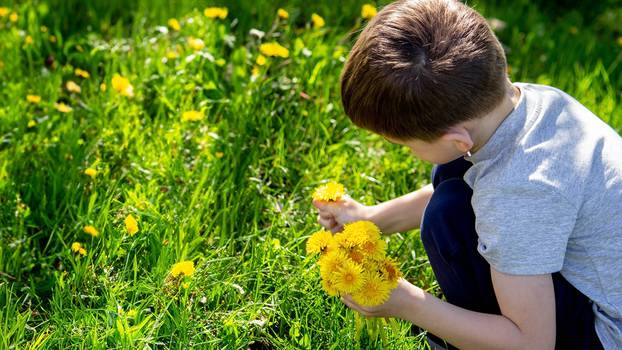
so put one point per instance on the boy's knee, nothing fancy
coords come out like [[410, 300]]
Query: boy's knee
[[447, 216], [451, 201]]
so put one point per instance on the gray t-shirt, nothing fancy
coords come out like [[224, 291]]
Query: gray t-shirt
[[547, 196]]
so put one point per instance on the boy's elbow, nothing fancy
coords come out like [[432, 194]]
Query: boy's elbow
[[540, 339], [537, 344], [530, 342]]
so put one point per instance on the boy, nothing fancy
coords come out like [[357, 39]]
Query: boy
[[523, 221]]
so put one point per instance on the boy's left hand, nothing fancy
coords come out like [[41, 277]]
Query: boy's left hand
[[400, 303]]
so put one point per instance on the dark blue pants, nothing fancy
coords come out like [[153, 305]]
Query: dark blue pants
[[449, 237]]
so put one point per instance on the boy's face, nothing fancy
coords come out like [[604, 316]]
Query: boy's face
[[440, 151]]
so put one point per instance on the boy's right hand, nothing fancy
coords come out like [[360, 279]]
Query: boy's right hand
[[333, 215]]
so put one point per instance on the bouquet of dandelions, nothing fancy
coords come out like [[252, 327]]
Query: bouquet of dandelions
[[354, 261]]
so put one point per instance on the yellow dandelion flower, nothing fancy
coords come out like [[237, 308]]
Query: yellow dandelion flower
[[318, 21], [91, 230], [32, 123], [43, 29], [371, 265], [219, 155], [13, 17], [122, 85], [329, 287], [90, 172], [331, 262], [261, 60], [81, 73], [345, 242], [357, 255], [368, 11], [172, 54], [356, 238], [319, 242], [255, 72], [390, 271], [276, 243], [216, 12], [331, 191], [33, 98], [73, 87], [365, 231], [102, 87], [195, 44], [373, 292], [131, 225], [274, 49], [52, 38], [192, 116], [76, 247], [173, 23], [349, 277], [282, 13], [63, 108], [4, 11], [185, 285], [28, 40], [185, 268], [376, 249]]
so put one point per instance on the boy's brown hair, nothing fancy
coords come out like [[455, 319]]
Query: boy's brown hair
[[422, 66]]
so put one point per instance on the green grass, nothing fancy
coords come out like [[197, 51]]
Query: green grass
[[242, 218]]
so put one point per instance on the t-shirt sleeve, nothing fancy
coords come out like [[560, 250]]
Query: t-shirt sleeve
[[523, 230]]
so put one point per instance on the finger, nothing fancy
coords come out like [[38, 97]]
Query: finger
[[326, 223], [324, 209], [337, 228], [366, 310], [354, 306], [326, 216], [347, 299], [319, 204], [328, 207], [349, 303], [322, 222], [329, 224]]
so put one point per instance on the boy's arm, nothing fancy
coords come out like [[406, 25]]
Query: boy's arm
[[527, 322], [399, 214], [403, 213]]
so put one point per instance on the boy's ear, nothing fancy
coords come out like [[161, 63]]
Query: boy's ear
[[460, 137]]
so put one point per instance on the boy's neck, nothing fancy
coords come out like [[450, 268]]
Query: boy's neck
[[483, 128]]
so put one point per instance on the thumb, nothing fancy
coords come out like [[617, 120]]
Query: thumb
[[331, 207], [324, 208], [318, 204]]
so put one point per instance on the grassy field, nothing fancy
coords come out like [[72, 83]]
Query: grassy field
[[228, 189]]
